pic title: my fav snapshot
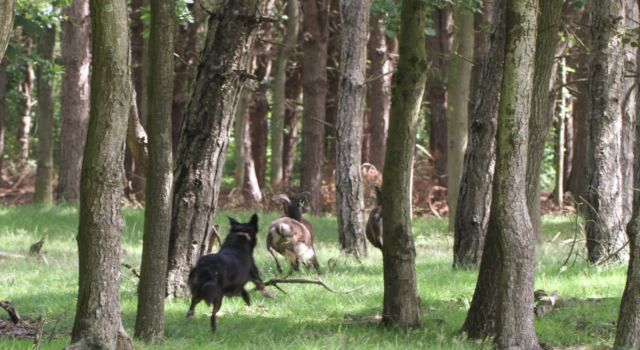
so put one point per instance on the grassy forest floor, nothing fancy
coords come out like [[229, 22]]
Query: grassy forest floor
[[307, 316]]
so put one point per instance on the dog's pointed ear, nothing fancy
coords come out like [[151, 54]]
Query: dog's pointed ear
[[254, 220], [232, 221]]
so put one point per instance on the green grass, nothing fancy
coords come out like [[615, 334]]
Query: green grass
[[307, 317]]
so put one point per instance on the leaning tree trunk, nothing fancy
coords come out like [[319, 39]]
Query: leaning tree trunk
[[279, 80], [351, 105], [97, 323], [74, 102], [604, 220], [510, 271], [458, 85], [543, 98], [202, 148], [316, 29], [474, 199], [157, 213], [44, 172], [401, 301], [7, 11]]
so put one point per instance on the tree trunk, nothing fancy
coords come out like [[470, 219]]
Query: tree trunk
[[157, 214], [223, 67], [74, 103], [458, 85], [26, 90], [543, 101], [401, 302], [258, 110], [97, 323], [378, 91], [7, 11], [334, 44], [239, 136], [3, 109], [351, 105], [292, 94], [474, 199], [138, 46], [510, 271], [44, 173], [250, 187], [604, 220], [279, 98], [439, 55], [316, 29]]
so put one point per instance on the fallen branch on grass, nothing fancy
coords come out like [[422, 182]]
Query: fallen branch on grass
[[274, 282], [5, 255], [13, 314], [133, 271]]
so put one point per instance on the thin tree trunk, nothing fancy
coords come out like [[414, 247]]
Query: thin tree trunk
[[279, 95], [474, 199], [560, 136], [157, 214], [27, 103], [510, 271], [604, 220], [3, 109], [316, 28], [334, 43], [74, 103], [224, 65], [258, 110], [293, 91], [239, 136], [7, 11], [543, 101], [97, 322], [458, 89], [401, 305], [351, 106], [44, 172], [250, 187]]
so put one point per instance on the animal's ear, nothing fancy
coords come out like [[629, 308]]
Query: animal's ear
[[232, 221], [254, 221]]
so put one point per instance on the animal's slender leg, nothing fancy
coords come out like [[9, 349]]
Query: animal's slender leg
[[194, 301], [246, 297], [273, 254], [314, 262], [217, 303]]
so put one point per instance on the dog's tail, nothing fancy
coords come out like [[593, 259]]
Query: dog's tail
[[207, 292]]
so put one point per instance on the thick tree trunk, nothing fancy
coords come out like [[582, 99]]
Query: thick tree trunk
[[157, 214], [543, 100], [279, 93], [351, 106], [604, 220], [401, 302], [7, 11], [458, 89], [74, 103], [474, 199], [224, 65], [316, 29], [97, 323], [510, 271], [439, 55], [3, 109], [378, 91], [44, 172]]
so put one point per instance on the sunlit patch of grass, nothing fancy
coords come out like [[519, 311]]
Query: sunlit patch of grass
[[309, 317]]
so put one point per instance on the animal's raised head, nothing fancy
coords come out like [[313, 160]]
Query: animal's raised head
[[248, 230], [292, 206]]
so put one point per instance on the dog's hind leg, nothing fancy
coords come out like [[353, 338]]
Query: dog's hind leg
[[194, 301], [217, 303]]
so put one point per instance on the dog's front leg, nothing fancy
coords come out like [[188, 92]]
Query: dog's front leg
[[246, 297], [255, 278]]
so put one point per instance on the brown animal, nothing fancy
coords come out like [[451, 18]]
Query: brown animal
[[374, 223], [291, 235]]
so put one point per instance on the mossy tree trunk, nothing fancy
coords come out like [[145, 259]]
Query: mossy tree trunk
[[97, 322], [401, 303], [223, 67]]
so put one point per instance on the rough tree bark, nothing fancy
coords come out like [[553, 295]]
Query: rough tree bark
[[7, 11], [351, 105], [508, 263], [316, 31], [97, 322], [401, 302], [458, 90], [543, 100], [74, 103], [279, 98], [223, 67], [604, 220], [157, 213], [474, 199], [44, 171], [27, 103]]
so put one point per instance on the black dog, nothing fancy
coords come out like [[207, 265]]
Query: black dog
[[226, 272]]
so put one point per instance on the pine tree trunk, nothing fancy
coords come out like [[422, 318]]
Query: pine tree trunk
[[97, 322], [511, 270], [401, 303], [543, 100], [474, 199], [458, 89], [604, 220], [74, 103], [316, 29], [351, 106], [157, 214], [44, 173], [7, 11], [224, 65]]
